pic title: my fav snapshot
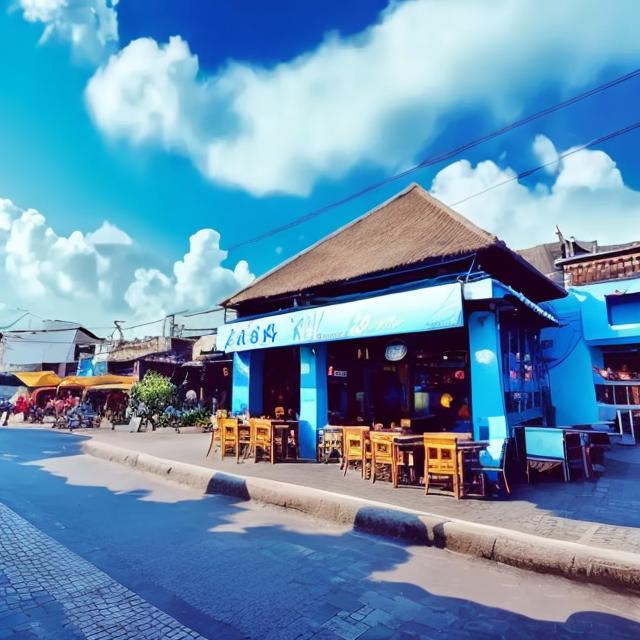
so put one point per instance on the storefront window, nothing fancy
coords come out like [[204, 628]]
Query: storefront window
[[525, 374], [423, 377]]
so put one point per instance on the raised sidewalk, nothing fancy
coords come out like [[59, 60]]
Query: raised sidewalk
[[588, 531]]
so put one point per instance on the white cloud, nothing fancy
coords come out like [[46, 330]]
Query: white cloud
[[374, 98], [198, 280], [546, 152], [587, 199], [96, 276], [108, 233], [91, 26]]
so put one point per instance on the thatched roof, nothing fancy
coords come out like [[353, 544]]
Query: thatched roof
[[411, 228]]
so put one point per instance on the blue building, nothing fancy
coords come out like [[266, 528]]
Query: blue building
[[593, 356], [409, 312]]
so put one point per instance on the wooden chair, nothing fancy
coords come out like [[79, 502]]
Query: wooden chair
[[383, 453], [262, 438], [330, 445], [575, 455], [355, 447], [228, 437], [441, 463]]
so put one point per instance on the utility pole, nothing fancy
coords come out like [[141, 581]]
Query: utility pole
[[119, 329], [172, 324]]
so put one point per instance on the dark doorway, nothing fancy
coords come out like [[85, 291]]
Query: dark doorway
[[281, 383]]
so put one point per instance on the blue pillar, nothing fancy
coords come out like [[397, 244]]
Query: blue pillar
[[246, 392], [313, 396], [487, 395]]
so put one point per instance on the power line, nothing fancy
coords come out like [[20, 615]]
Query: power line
[[561, 156], [522, 174], [519, 176], [441, 157]]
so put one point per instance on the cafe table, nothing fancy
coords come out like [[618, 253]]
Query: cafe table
[[286, 432], [407, 447]]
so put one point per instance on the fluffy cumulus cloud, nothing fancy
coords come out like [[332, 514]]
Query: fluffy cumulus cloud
[[197, 280], [586, 189], [93, 277], [91, 26], [374, 98]]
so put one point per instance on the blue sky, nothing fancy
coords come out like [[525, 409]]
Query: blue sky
[[217, 121]]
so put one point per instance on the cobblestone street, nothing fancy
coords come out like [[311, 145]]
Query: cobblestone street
[[46, 591], [93, 550]]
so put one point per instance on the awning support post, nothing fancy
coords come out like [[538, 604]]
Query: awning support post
[[313, 397]]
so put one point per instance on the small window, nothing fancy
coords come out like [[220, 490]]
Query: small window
[[623, 308]]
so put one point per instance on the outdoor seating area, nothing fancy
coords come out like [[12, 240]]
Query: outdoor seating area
[[450, 462], [439, 462], [259, 439]]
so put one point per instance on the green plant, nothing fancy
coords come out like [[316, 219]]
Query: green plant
[[156, 392], [195, 417]]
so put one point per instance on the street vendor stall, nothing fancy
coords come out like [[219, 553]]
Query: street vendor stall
[[37, 379]]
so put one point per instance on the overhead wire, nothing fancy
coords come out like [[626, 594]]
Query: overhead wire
[[522, 174], [438, 158]]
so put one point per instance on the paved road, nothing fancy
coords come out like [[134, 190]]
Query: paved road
[[92, 550]]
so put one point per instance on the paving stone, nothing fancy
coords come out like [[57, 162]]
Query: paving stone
[[78, 600]]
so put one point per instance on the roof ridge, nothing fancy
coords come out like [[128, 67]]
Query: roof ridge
[[458, 217], [322, 240], [391, 234]]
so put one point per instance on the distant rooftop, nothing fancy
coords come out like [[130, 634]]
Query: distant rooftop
[[559, 260]]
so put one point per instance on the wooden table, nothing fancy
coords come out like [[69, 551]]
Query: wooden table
[[407, 447], [286, 430]]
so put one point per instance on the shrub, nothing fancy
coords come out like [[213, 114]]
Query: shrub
[[156, 392]]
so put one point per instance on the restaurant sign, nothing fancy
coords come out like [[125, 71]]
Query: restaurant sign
[[395, 351], [425, 309]]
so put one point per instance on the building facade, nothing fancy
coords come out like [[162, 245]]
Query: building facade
[[410, 312], [594, 355]]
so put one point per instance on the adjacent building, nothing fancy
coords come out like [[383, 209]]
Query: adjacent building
[[593, 356], [54, 345]]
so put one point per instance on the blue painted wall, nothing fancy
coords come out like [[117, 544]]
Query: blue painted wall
[[595, 319], [487, 396], [576, 347], [313, 396]]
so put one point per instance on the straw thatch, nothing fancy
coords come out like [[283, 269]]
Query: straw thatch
[[411, 228]]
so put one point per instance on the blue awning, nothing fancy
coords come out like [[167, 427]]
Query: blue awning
[[490, 289], [426, 309]]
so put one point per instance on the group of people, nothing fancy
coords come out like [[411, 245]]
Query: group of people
[[622, 373], [54, 407], [65, 407]]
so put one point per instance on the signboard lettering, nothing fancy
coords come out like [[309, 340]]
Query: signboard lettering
[[425, 309]]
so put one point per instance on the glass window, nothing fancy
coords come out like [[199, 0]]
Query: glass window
[[524, 370]]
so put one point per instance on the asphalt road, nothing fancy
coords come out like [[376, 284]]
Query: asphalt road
[[91, 550]]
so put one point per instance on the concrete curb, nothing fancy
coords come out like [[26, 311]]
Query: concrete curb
[[617, 569]]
